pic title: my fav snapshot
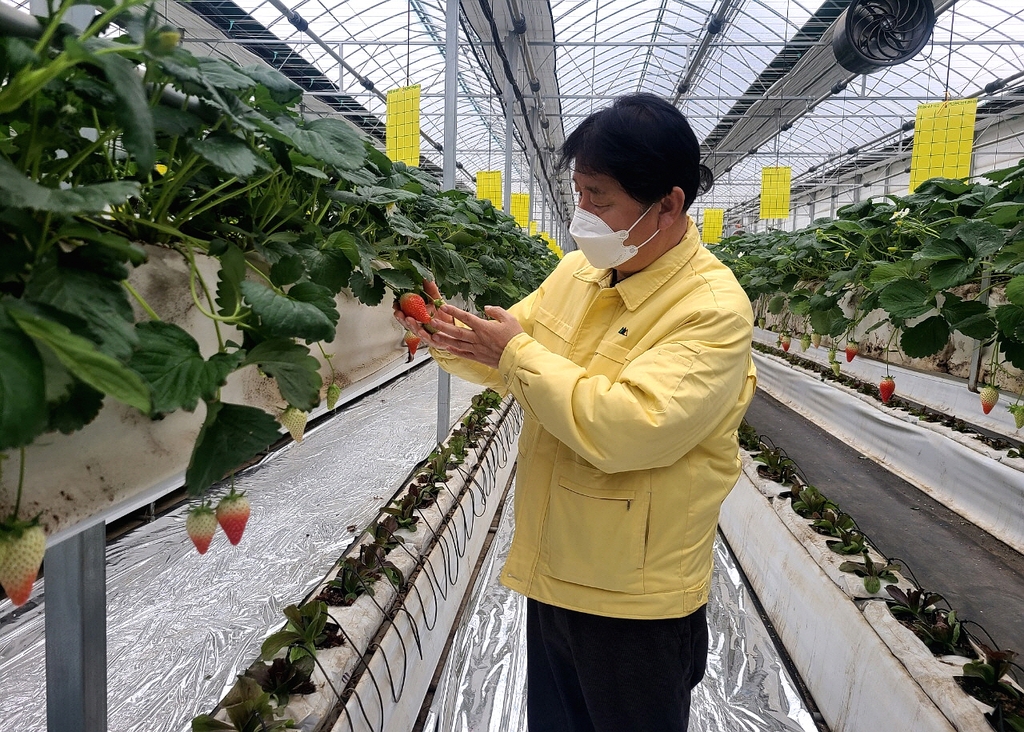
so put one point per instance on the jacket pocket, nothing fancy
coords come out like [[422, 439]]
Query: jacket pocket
[[597, 536], [552, 332]]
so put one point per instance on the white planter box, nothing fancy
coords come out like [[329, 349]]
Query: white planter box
[[865, 671]]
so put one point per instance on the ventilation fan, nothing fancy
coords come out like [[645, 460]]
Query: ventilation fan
[[707, 179], [872, 34]]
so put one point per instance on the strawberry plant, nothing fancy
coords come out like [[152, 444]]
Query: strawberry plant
[[850, 541], [874, 573], [383, 533], [809, 503], [404, 510], [833, 522], [248, 708], [96, 174], [775, 465]]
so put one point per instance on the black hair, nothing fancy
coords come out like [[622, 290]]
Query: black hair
[[643, 142]]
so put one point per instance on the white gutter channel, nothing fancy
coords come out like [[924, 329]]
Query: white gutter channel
[[981, 484]]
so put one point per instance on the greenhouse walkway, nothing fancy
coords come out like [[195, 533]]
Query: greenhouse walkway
[[980, 577]]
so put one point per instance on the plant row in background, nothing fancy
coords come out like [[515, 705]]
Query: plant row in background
[[985, 677], [885, 392], [116, 138], [288, 657], [948, 258]]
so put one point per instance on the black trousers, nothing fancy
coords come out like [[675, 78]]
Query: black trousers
[[588, 673]]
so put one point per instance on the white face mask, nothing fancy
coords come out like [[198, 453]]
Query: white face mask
[[603, 247]]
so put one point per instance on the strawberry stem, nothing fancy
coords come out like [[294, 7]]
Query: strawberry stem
[[21, 483]]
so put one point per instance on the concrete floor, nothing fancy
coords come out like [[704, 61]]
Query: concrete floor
[[982, 578]]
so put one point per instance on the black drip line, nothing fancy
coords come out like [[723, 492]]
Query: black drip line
[[801, 481], [493, 455]]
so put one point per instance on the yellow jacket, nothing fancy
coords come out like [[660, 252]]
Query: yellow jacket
[[632, 396]]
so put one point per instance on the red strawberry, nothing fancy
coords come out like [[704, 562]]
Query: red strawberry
[[294, 420], [333, 394], [815, 339], [23, 547], [852, 349], [232, 514], [886, 388], [989, 396], [412, 305], [785, 341], [412, 341], [201, 524]]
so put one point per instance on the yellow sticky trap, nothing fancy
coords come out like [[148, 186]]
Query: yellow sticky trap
[[943, 140], [775, 187], [488, 186], [711, 231], [402, 126], [521, 208]]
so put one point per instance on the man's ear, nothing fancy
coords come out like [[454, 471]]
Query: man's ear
[[671, 207]]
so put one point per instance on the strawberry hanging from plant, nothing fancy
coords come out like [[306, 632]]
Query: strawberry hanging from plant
[[852, 349], [414, 307], [1017, 410], [805, 342], [785, 340], [232, 514], [201, 525], [412, 342], [989, 396], [294, 420], [815, 339], [22, 545], [333, 394], [886, 388]]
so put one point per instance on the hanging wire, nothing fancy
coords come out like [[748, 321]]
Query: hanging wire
[[949, 55]]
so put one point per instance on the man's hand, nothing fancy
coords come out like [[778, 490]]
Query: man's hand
[[482, 340]]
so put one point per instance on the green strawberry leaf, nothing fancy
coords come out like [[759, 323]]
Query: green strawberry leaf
[[297, 373], [232, 272], [287, 270], [941, 250], [76, 410], [944, 275], [283, 316], [396, 279], [368, 289], [22, 389], [320, 297], [97, 300], [1015, 290], [981, 237], [282, 89], [132, 112], [20, 192], [926, 338], [231, 435], [168, 358], [328, 267], [83, 359], [970, 317], [230, 154], [906, 298]]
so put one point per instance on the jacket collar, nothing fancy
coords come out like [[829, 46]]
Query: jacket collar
[[639, 286]]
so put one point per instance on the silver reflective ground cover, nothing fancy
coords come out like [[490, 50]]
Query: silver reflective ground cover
[[483, 685], [181, 625]]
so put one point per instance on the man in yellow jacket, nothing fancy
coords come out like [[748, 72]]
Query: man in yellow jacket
[[632, 364]]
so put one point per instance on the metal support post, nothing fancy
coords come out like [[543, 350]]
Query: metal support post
[[451, 81], [76, 633], [512, 50]]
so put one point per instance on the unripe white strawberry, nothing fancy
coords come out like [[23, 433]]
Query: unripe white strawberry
[[23, 549], [294, 420]]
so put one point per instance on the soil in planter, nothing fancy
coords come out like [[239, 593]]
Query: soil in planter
[[987, 695], [334, 596], [332, 636]]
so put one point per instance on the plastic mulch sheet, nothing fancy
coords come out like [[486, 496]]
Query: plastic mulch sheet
[[181, 625], [483, 685]]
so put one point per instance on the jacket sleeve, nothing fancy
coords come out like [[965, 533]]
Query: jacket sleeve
[[477, 373], [665, 402]]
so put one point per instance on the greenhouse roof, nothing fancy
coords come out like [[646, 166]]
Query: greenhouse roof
[[756, 78]]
